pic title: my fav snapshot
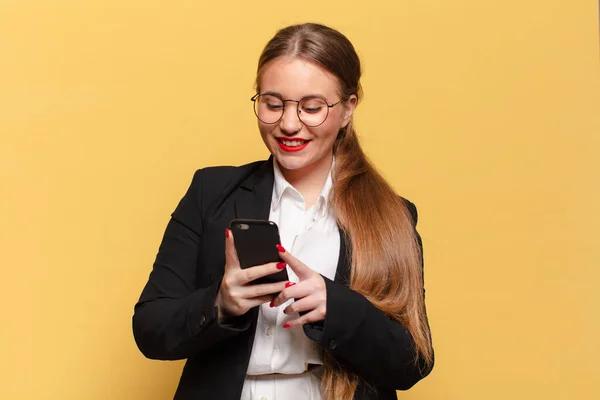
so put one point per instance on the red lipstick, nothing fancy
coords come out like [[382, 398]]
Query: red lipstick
[[298, 147]]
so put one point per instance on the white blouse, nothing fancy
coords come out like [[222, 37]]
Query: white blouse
[[279, 358]]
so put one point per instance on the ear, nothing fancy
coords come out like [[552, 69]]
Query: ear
[[348, 106]]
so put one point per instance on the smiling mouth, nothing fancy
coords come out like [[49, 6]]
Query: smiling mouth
[[292, 144]]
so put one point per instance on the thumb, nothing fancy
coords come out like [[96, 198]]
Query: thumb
[[296, 265], [231, 257]]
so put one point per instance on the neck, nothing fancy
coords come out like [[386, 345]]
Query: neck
[[309, 180]]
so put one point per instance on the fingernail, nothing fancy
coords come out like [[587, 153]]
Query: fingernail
[[280, 265], [272, 303], [280, 248], [287, 326], [226, 233], [287, 285]]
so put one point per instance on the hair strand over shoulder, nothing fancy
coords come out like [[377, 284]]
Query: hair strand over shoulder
[[386, 257]]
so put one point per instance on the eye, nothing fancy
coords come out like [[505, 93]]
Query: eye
[[313, 106], [274, 107], [272, 103], [311, 110]]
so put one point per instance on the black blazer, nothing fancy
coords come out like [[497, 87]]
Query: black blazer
[[176, 317]]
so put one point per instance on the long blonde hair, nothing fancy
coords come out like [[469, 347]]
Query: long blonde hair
[[386, 263]]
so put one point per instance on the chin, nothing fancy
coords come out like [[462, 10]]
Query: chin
[[290, 163]]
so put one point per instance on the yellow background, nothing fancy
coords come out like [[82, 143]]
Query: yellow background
[[486, 114]]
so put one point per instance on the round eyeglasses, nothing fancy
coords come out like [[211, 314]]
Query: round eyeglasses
[[312, 111]]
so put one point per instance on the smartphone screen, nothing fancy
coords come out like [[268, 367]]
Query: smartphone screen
[[255, 243]]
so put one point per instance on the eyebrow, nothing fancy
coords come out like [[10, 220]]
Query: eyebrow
[[276, 94]]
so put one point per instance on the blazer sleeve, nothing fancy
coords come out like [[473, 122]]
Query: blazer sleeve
[[365, 340], [174, 319]]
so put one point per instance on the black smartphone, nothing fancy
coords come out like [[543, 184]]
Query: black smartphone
[[256, 244]]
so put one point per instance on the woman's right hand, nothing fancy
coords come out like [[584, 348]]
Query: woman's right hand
[[236, 296]]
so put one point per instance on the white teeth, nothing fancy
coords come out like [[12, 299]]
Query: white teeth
[[293, 143]]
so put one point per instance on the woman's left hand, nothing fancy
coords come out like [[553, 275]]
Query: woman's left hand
[[310, 293]]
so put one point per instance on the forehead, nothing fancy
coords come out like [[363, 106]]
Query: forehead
[[297, 77]]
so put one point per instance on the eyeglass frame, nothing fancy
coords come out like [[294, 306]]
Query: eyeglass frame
[[329, 106]]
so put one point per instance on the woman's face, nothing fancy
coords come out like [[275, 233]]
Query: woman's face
[[294, 145]]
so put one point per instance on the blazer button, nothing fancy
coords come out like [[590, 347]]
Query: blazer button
[[332, 345], [202, 320]]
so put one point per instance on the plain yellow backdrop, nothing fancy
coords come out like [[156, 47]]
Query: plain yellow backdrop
[[486, 114]]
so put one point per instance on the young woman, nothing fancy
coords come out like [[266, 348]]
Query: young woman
[[350, 323]]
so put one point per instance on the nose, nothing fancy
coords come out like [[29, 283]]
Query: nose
[[290, 123]]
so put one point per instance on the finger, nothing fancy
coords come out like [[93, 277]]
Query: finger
[[305, 304], [291, 291], [298, 291], [231, 257], [296, 265], [316, 315], [257, 301], [263, 289], [253, 273]]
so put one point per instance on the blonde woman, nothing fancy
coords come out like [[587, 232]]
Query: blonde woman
[[350, 323]]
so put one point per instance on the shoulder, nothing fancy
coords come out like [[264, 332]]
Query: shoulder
[[412, 209], [208, 187], [213, 178]]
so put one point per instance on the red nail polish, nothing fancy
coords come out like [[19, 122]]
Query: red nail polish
[[226, 233], [280, 248], [287, 326], [280, 265], [287, 285], [272, 303]]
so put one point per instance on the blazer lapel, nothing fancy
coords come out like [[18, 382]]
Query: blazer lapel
[[254, 202], [342, 273], [254, 199]]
